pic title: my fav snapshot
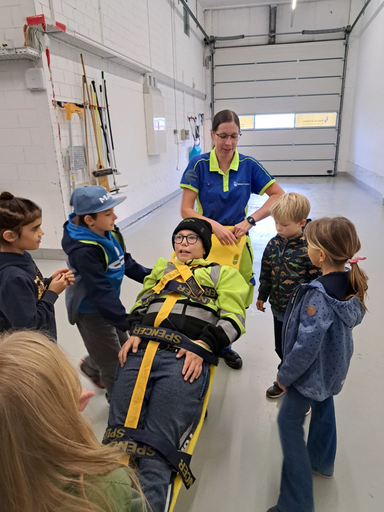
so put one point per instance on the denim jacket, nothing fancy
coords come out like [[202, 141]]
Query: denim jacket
[[317, 341]]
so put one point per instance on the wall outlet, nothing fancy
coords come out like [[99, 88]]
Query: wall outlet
[[184, 134]]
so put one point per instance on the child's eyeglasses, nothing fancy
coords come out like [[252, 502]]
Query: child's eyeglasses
[[191, 239], [224, 136]]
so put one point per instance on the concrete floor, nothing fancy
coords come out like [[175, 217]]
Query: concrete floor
[[238, 459]]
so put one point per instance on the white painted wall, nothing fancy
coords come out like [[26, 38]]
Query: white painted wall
[[362, 150], [148, 31]]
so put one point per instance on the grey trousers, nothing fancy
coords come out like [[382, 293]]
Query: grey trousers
[[103, 343]]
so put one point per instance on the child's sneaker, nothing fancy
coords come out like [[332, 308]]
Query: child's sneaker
[[92, 374], [275, 391], [321, 475]]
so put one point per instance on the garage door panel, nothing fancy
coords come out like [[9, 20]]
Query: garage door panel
[[272, 53], [280, 105], [293, 136], [307, 152], [302, 168], [280, 70], [235, 73], [278, 88]]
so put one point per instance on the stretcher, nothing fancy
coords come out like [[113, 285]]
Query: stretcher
[[135, 441]]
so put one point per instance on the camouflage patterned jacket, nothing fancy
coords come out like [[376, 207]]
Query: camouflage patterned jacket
[[284, 266]]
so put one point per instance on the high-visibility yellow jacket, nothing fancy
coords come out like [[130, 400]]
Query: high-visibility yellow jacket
[[218, 322]]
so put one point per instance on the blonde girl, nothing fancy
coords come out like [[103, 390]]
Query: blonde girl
[[317, 349], [50, 458]]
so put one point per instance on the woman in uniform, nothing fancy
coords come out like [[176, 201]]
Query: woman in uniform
[[221, 183]]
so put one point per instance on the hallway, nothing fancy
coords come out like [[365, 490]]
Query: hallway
[[237, 461]]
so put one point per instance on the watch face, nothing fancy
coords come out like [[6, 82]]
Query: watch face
[[251, 220]]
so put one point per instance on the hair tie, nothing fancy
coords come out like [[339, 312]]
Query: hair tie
[[356, 260]]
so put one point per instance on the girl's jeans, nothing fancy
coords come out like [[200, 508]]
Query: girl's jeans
[[296, 491]]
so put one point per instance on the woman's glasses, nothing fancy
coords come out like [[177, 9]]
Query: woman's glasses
[[191, 239], [224, 136]]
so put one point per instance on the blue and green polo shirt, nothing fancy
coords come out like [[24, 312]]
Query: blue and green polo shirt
[[224, 197]]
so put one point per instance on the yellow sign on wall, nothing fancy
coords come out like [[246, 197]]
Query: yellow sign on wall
[[247, 122], [315, 120]]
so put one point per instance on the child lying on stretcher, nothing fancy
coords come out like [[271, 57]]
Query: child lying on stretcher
[[200, 300]]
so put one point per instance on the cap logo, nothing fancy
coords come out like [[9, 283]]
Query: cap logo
[[105, 197]]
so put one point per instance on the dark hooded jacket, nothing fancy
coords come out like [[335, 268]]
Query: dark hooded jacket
[[98, 276], [25, 301]]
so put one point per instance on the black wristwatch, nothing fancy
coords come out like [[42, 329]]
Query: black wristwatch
[[251, 220]]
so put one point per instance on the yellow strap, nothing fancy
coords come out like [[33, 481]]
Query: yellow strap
[[165, 280], [182, 271], [186, 274], [137, 399]]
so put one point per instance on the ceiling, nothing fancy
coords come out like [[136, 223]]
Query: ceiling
[[217, 4]]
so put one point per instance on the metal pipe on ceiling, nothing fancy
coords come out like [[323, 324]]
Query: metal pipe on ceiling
[[272, 24]]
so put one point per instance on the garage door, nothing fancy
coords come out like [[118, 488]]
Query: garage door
[[288, 97]]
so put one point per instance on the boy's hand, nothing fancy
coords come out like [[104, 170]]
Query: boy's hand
[[132, 343], [58, 283], [85, 398], [192, 365], [260, 305]]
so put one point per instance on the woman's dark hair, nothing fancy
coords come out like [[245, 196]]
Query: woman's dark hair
[[79, 220], [16, 212], [225, 116]]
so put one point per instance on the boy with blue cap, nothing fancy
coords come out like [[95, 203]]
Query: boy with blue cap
[[96, 254]]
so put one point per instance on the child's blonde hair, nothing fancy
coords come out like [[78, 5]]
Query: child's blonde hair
[[337, 237], [291, 206], [50, 457]]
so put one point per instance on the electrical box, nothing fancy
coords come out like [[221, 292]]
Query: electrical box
[[155, 120], [34, 78], [184, 134]]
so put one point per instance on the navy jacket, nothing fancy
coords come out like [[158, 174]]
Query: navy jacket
[[317, 341], [92, 285], [25, 302]]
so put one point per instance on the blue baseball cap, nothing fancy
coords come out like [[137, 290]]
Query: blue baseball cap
[[93, 199]]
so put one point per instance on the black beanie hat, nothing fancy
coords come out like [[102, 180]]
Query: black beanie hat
[[199, 226]]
